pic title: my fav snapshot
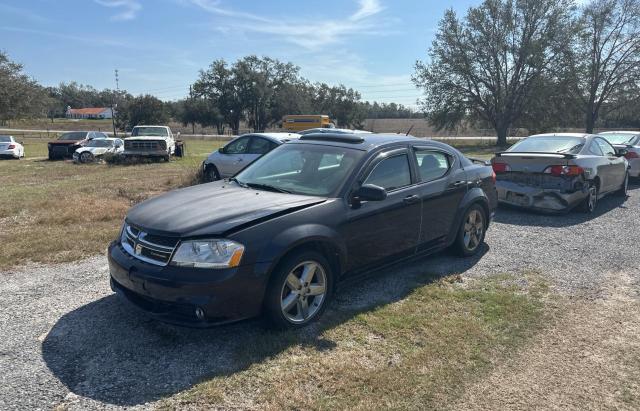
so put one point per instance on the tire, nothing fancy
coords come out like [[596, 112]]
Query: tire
[[471, 231], [211, 173], [86, 157], [590, 203], [624, 190], [307, 299]]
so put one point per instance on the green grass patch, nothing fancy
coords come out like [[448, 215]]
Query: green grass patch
[[416, 353]]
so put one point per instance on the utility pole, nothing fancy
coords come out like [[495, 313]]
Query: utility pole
[[113, 113]]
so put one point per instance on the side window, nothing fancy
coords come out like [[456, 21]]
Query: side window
[[238, 146], [391, 173], [432, 164], [259, 145], [607, 149], [594, 149]]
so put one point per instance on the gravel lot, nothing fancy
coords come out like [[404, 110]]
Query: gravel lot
[[66, 340]]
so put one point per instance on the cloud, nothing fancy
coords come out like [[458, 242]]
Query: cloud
[[311, 35], [129, 8]]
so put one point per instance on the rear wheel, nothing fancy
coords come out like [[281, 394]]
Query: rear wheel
[[471, 232], [589, 204], [299, 290]]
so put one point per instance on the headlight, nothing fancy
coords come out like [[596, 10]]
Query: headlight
[[208, 254]]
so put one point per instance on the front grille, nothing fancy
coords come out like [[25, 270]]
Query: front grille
[[146, 247], [145, 145]]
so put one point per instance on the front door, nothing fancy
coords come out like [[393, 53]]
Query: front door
[[614, 167], [232, 160], [379, 231]]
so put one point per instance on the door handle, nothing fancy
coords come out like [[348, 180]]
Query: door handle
[[411, 199], [458, 183]]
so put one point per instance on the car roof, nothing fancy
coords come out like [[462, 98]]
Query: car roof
[[333, 130], [359, 141], [275, 136], [577, 135], [143, 125], [620, 132]]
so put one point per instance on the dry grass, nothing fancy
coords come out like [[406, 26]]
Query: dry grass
[[417, 353], [60, 211]]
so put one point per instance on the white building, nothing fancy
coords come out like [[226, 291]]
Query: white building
[[94, 112]]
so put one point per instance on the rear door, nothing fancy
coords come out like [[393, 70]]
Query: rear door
[[379, 231], [441, 187], [231, 161]]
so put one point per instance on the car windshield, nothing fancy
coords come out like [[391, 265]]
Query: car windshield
[[149, 132], [78, 135], [99, 143], [308, 169], [5, 139], [551, 144], [622, 138]]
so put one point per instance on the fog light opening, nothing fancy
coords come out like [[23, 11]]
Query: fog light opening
[[199, 313]]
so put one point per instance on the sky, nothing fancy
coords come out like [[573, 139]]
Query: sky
[[159, 46]]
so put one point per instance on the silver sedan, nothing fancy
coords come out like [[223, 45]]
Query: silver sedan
[[557, 172], [628, 143], [240, 152]]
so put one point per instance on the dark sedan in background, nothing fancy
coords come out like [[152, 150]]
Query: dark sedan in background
[[68, 143], [557, 172], [278, 237]]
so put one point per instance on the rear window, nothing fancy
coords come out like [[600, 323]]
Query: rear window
[[5, 139], [149, 132], [551, 144], [620, 138]]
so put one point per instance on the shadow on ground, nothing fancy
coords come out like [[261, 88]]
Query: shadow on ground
[[108, 352]]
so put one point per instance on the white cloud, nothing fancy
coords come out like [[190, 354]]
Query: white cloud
[[129, 8], [311, 35]]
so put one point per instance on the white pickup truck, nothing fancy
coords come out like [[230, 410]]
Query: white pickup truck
[[150, 141]]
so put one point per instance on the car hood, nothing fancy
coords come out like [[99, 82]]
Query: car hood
[[146, 138], [65, 142], [213, 209]]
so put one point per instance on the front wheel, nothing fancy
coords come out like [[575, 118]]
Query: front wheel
[[471, 232], [86, 157], [624, 189], [299, 290], [211, 173]]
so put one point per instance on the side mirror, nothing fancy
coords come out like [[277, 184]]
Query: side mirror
[[621, 152], [370, 192], [221, 150]]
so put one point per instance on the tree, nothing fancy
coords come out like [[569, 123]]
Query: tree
[[485, 66], [607, 57], [145, 109], [20, 96]]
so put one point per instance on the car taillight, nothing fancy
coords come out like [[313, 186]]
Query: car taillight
[[630, 155], [500, 167], [564, 170], [11, 146]]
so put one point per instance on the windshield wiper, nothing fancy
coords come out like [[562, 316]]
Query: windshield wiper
[[268, 187], [238, 182]]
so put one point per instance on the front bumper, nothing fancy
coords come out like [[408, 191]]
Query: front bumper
[[10, 153], [145, 153], [173, 294], [535, 198]]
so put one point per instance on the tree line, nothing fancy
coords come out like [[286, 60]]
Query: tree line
[[254, 91], [535, 64]]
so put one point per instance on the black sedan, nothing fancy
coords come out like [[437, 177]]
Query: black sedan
[[279, 237]]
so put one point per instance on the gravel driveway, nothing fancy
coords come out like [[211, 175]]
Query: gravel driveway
[[66, 340]]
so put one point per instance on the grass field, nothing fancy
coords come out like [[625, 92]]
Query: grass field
[[61, 211]]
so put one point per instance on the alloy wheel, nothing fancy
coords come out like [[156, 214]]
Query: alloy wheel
[[303, 292], [86, 157], [473, 229], [593, 198]]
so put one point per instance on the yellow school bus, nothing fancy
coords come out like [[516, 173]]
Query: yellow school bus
[[300, 122]]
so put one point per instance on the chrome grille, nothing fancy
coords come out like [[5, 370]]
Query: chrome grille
[[152, 249], [145, 145]]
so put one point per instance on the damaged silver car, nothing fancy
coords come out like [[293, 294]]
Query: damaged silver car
[[558, 172]]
